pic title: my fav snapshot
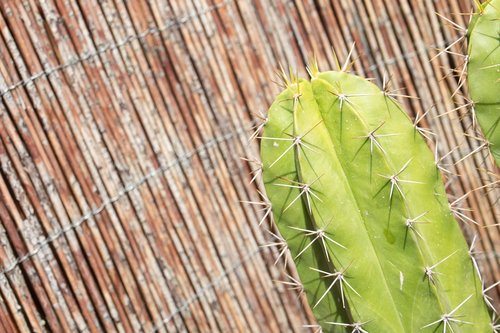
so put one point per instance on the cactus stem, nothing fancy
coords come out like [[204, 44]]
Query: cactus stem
[[429, 271], [356, 327], [386, 243], [449, 318], [340, 277]]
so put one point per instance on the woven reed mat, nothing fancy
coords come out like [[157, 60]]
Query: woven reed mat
[[123, 124]]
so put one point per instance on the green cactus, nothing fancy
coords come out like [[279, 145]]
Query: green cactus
[[483, 68], [357, 197]]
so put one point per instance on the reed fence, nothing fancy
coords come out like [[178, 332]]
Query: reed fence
[[123, 124]]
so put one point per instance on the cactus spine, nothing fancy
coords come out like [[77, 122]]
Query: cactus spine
[[484, 71], [360, 202]]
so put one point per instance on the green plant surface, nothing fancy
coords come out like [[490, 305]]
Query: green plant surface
[[360, 202], [484, 71]]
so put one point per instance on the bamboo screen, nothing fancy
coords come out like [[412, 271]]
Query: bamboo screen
[[123, 124]]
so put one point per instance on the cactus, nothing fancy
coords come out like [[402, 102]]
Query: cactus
[[483, 66], [359, 200]]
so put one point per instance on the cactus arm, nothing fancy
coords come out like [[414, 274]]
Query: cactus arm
[[326, 177], [484, 71]]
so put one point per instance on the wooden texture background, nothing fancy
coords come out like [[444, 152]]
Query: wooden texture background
[[123, 124]]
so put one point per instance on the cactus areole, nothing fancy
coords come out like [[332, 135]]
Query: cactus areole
[[358, 198], [483, 66]]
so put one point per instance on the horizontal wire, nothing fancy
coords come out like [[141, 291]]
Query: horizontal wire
[[175, 22], [72, 226]]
